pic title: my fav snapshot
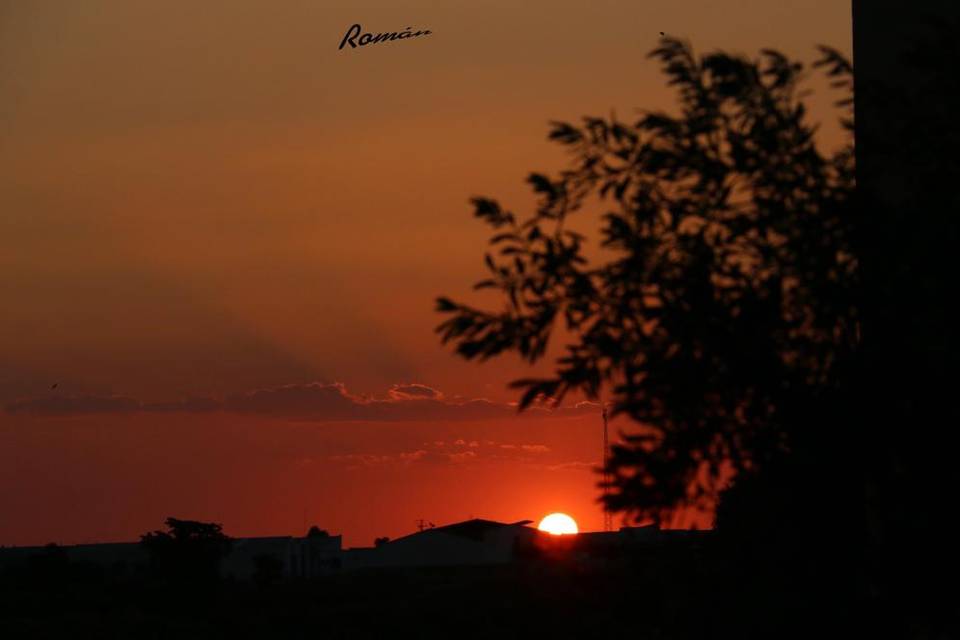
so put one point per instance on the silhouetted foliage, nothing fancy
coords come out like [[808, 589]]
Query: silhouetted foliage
[[379, 542], [187, 551], [317, 532], [721, 311]]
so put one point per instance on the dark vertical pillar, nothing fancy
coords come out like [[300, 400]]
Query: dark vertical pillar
[[906, 58]]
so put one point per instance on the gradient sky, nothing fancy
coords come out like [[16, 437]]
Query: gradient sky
[[206, 200]]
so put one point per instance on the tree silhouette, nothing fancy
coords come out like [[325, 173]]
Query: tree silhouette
[[720, 311], [188, 551]]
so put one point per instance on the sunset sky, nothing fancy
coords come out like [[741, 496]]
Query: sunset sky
[[221, 238]]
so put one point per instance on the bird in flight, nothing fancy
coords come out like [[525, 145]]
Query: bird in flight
[[54, 386]]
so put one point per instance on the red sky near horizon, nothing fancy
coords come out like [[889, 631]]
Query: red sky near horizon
[[209, 215]]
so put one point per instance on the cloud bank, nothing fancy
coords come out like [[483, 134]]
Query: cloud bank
[[312, 401]]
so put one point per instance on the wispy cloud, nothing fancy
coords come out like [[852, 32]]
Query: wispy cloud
[[413, 392], [459, 451], [313, 401], [75, 404]]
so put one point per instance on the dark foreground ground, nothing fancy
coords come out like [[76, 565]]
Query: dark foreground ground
[[661, 593]]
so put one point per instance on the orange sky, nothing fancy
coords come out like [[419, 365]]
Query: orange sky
[[209, 199]]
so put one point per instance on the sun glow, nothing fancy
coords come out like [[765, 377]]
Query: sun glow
[[558, 524]]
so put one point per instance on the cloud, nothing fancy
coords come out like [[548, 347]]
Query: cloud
[[535, 448], [464, 456], [573, 464], [441, 452], [402, 459], [195, 405], [333, 402], [74, 404], [413, 392], [329, 400], [357, 460], [311, 401]]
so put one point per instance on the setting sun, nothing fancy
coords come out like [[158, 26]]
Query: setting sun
[[558, 524]]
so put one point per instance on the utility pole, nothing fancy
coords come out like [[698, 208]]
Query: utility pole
[[607, 517]]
